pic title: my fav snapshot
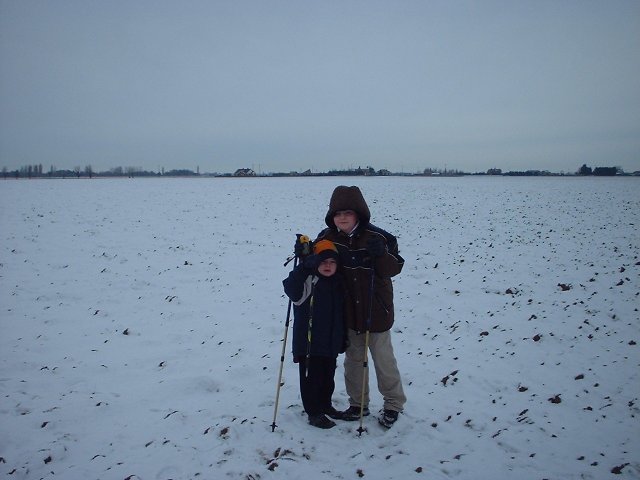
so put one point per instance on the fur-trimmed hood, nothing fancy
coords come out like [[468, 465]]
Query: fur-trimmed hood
[[347, 198]]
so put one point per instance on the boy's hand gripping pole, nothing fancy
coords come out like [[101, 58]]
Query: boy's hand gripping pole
[[305, 248]]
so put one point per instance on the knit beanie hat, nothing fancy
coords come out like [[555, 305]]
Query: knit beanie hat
[[325, 249], [347, 198]]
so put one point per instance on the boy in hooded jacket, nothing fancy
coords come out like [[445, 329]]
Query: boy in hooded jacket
[[317, 293], [369, 258]]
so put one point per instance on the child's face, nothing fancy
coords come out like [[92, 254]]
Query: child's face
[[328, 267], [345, 220]]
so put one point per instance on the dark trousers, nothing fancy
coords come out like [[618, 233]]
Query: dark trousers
[[317, 383]]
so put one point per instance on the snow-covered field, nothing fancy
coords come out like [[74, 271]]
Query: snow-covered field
[[141, 325]]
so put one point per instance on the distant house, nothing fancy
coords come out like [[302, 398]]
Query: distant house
[[244, 172]]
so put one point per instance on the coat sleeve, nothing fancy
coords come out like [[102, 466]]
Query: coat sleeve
[[294, 283], [391, 263]]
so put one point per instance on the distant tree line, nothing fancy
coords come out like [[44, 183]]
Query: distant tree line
[[37, 171], [600, 171]]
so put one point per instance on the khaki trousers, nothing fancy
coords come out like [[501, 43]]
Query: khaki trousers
[[386, 368]]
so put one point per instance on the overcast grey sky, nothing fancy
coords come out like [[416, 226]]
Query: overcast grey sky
[[291, 85]]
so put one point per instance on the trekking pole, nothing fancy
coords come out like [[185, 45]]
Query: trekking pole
[[365, 374], [284, 347], [365, 363], [308, 357], [306, 248]]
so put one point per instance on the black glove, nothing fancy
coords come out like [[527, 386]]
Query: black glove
[[311, 262], [375, 246], [302, 249]]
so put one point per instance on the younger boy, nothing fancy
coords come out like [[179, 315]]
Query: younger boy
[[319, 336]]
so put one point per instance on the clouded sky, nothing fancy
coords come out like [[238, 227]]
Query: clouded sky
[[282, 85]]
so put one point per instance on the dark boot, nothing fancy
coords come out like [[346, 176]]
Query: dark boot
[[321, 421], [352, 413], [388, 418], [333, 413]]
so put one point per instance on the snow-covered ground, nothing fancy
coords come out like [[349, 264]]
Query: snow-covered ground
[[142, 323]]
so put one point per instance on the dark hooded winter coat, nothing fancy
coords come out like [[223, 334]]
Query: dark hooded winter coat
[[321, 299], [359, 266]]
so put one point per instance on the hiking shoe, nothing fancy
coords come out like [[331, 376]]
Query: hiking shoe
[[320, 421], [388, 418], [333, 413], [353, 413]]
